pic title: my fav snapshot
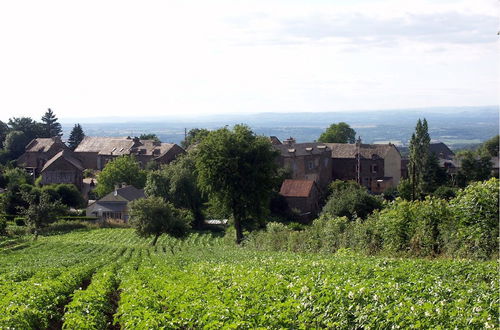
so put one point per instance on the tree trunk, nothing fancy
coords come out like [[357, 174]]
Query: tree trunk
[[239, 229], [153, 243], [36, 234]]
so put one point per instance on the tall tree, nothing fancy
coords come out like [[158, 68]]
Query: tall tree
[[76, 136], [419, 158], [338, 133], [51, 127], [237, 169], [474, 166]]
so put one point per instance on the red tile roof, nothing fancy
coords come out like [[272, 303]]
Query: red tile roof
[[296, 188]]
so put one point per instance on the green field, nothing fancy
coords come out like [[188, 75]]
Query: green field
[[110, 278]]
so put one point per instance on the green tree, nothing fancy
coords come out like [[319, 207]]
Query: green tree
[[4, 129], [338, 133], [349, 199], [123, 169], [194, 136], [152, 216], [40, 210], [434, 176], [149, 136], [237, 169], [474, 166], [491, 146], [50, 125], [177, 183], [28, 126], [15, 143], [76, 136], [419, 158]]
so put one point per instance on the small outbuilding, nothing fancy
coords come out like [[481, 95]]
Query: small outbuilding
[[302, 195]]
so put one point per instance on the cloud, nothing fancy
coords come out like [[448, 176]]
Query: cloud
[[361, 29]]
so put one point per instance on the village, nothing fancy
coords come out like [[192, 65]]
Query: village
[[312, 166]]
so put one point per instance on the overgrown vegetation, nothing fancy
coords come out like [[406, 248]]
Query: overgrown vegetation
[[465, 226]]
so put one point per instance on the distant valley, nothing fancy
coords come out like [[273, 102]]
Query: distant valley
[[458, 127]]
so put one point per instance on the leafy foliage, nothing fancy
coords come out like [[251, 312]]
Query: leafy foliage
[[475, 211], [194, 136], [149, 136], [351, 200], [123, 169], [177, 183], [237, 169], [152, 216], [419, 158], [338, 133]]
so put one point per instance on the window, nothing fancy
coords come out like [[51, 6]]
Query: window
[[374, 168], [310, 165]]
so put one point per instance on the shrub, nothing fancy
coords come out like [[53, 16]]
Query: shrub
[[350, 200], [20, 221], [3, 226], [475, 211]]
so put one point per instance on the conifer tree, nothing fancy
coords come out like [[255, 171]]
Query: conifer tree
[[419, 158], [76, 136], [51, 127]]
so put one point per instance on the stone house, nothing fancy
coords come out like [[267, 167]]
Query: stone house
[[38, 152], [96, 152], [302, 195], [306, 161], [375, 166], [115, 204], [63, 168]]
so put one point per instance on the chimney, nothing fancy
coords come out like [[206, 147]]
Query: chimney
[[117, 186], [290, 141]]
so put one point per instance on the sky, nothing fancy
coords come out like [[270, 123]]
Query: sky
[[188, 58]]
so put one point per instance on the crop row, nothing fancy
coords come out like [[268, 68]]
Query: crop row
[[35, 302], [294, 292]]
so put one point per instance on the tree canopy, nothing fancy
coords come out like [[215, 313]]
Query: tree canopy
[[149, 136], [194, 136], [152, 216], [338, 133], [237, 169], [76, 136], [123, 169], [177, 183], [491, 146]]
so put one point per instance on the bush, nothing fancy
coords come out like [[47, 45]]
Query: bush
[[445, 192], [3, 226], [475, 211], [350, 200]]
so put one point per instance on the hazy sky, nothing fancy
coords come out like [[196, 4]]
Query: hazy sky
[[130, 58]]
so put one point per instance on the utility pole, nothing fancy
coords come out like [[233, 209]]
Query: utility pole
[[185, 134], [358, 151]]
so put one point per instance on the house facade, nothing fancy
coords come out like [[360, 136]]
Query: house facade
[[375, 166], [63, 168], [38, 152], [306, 161], [115, 204]]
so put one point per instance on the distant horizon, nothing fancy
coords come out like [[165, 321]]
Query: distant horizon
[[204, 116]]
